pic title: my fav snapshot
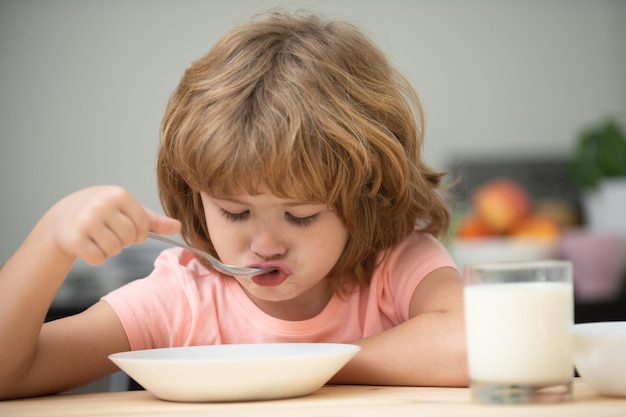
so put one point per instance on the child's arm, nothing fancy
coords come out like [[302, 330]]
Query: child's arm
[[38, 358], [427, 350]]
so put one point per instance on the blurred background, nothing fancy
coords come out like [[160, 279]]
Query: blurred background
[[507, 87]]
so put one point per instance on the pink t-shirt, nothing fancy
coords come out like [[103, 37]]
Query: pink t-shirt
[[182, 303]]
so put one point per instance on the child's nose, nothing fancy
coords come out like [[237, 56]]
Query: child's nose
[[267, 243]]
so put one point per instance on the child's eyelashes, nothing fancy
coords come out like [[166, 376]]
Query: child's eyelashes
[[235, 217], [301, 221], [295, 220]]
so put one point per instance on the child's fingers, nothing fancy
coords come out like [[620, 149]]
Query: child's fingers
[[132, 221], [99, 222], [162, 224], [92, 249]]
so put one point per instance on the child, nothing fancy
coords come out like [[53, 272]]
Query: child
[[292, 144]]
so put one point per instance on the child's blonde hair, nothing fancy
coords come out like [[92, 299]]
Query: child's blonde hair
[[308, 109]]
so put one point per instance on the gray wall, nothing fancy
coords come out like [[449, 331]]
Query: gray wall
[[83, 84]]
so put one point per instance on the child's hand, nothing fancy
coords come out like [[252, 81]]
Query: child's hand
[[99, 222]]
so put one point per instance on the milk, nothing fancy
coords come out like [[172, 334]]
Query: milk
[[519, 333]]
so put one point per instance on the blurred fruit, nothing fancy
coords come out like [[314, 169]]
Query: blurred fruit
[[502, 208], [472, 225], [537, 226], [501, 203]]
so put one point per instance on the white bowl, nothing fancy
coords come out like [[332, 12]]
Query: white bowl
[[600, 356], [237, 372], [497, 249]]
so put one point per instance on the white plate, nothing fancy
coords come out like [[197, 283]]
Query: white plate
[[238, 372]]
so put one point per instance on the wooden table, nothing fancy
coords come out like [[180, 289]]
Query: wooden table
[[337, 401]]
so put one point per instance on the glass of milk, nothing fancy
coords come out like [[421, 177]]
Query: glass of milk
[[519, 317]]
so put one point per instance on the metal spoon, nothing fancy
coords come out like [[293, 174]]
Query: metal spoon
[[227, 269]]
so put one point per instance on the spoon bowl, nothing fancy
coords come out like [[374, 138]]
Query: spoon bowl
[[222, 267]]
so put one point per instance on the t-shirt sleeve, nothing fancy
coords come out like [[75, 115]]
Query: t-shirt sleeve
[[152, 309], [403, 269]]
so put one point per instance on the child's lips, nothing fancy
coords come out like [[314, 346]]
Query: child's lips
[[270, 279], [277, 266], [273, 278]]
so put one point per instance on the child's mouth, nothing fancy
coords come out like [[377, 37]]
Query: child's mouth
[[270, 279]]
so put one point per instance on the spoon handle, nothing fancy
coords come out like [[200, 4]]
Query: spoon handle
[[227, 269], [173, 242]]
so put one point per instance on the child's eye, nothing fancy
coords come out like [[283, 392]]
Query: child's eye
[[235, 217], [301, 221]]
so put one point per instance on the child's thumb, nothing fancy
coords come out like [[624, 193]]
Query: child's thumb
[[162, 224]]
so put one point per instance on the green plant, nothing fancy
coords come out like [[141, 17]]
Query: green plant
[[600, 153]]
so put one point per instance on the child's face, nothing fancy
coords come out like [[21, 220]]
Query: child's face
[[302, 240]]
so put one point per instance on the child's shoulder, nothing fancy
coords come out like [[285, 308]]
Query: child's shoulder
[[419, 240], [418, 250]]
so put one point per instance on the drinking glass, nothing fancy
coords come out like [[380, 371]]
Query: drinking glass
[[519, 318]]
